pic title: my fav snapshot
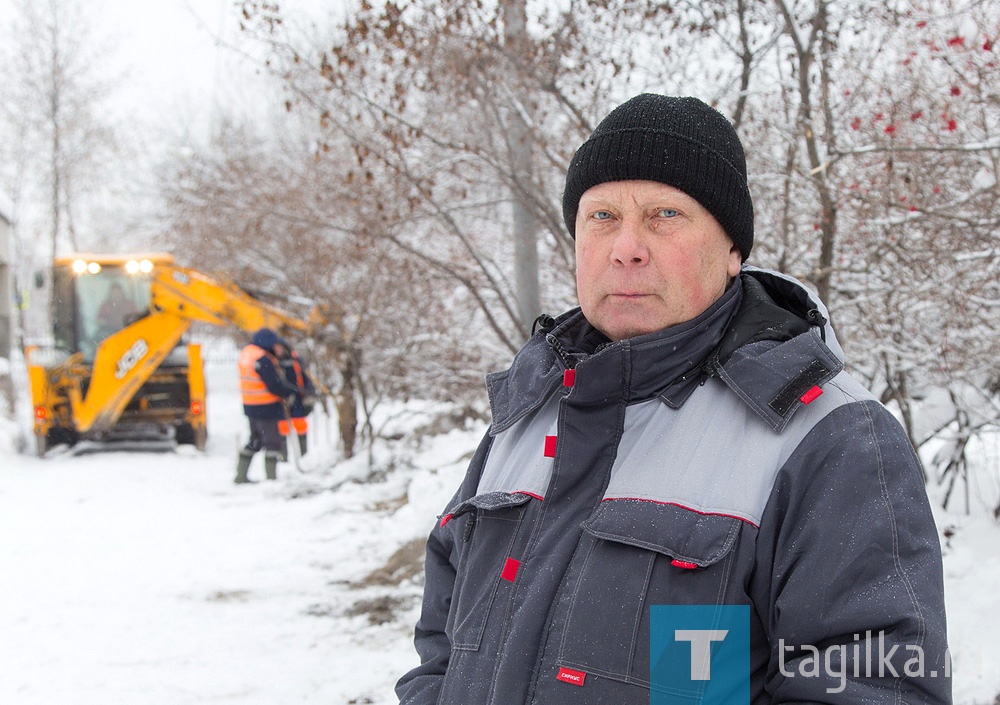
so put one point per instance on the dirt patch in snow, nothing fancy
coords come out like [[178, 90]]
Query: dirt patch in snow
[[406, 563], [380, 610]]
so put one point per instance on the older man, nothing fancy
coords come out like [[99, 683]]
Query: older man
[[687, 439]]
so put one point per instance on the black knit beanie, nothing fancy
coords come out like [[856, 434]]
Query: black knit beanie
[[681, 142]]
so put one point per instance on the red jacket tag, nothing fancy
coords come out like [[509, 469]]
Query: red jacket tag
[[568, 675], [811, 395], [569, 378], [510, 567], [550, 446], [687, 565]]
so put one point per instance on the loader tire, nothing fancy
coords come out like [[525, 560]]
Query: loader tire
[[186, 434], [56, 436]]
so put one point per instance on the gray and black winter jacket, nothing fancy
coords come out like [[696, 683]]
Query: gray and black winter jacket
[[728, 460]]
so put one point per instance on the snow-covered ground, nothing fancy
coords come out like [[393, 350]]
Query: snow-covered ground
[[147, 577], [143, 577], [971, 546]]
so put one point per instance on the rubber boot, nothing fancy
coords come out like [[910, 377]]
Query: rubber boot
[[242, 467], [271, 459], [302, 445]]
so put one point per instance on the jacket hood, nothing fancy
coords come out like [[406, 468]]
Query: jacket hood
[[790, 295], [265, 338], [779, 350]]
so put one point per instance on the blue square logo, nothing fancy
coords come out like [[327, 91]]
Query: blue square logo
[[699, 654]]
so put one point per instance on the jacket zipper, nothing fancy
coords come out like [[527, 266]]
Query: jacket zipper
[[469, 526], [560, 351]]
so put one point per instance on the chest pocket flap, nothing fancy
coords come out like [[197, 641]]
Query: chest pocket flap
[[489, 501], [678, 532]]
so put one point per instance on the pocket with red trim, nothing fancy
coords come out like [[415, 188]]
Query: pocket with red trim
[[635, 554], [486, 568]]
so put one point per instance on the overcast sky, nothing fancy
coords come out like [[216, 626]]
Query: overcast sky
[[172, 79], [169, 46], [169, 53]]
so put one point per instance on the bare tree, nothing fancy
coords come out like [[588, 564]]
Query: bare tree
[[300, 231], [896, 132], [925, 155], [57, 134], [525, 236], [811, 40], [473, 112], [58, 87], [871, 136]]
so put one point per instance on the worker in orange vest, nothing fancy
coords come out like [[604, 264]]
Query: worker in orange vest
[[295, 373], [266, 397]]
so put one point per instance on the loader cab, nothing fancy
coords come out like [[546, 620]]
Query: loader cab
[[97, 297]]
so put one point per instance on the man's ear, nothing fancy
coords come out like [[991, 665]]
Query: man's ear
[[735, 262]]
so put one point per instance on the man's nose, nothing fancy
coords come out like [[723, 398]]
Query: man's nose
[[630, 246]]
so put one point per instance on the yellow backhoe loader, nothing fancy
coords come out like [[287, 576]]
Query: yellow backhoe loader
[[118, 368]]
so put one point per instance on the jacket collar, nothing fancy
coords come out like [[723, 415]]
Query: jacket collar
[[665, 363], [780, 349]]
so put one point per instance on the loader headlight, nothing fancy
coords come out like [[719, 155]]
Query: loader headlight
[[82, 266], [135, 266]]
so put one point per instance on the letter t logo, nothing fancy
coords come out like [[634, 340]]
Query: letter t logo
[[699, 654], [701, 649]]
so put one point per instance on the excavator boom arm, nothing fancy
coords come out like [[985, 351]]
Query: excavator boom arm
[[195, 296]]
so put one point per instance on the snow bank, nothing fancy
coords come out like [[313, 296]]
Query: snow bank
[[971, 547]]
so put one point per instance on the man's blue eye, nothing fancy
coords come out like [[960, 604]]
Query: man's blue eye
[[668, 212], [602, 215]]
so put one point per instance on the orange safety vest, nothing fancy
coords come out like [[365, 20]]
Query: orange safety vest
[[252, 387], [299, 423]]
